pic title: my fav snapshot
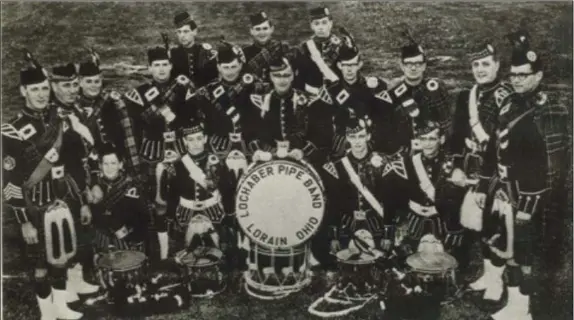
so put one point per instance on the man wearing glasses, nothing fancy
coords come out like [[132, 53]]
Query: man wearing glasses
[[530, 146], [417, 98]]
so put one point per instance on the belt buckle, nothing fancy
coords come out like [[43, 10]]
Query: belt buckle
[[235, 137], [199, 205], [57, 172], [169, 136], [283, 144], [360, 215]]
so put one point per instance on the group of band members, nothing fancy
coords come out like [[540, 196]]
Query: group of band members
[[169, 153]]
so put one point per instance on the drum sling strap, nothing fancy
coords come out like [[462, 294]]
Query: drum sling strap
[[321, 64], [115, 193], [425, 182], [43, 168], [474, 120], [195, 171], [361, 187]]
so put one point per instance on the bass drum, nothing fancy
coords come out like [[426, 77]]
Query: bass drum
[[279, 206]]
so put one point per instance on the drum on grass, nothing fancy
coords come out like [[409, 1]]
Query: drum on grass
[[122, 272], [279, 207], [358, 283], [201, 271], [434, 269]]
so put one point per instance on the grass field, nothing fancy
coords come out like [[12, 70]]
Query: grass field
[[59, 32]]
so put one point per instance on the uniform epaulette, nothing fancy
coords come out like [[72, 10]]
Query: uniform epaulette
[[133, 193], [502, 94], [135, 97], [257, 100], [10, 131], [330, 168], [324, 96], [384, 96]]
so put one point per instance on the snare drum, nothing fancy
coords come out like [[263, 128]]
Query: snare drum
[[122, 270], [279, 207], [201, 270], [435, 272], [358, 283]]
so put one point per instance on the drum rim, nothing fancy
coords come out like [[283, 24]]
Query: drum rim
[[298, 285], [184, 252], [254, 166], [357, 262], [130, 268], [454, 264]]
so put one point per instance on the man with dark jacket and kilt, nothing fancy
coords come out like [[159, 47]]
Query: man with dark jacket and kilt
[[519, 187], [264, 48], [417, 98], [64, 81], [198, 184], [44, 184], [474, 130], [424, 173], [359, 194], [156, 110], [194, 60]]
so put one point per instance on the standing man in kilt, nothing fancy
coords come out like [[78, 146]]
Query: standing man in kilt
[[64, 81], [44, 184], [474, 132], [527, 124], [155, 109], [264, 49], [194, 60]]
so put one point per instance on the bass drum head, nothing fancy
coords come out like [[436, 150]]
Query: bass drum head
[[280, 203]]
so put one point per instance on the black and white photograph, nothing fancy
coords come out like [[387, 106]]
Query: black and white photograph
[[287, 160]]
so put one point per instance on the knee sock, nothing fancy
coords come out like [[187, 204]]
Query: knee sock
[[59, 278], [42, 287]]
